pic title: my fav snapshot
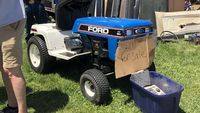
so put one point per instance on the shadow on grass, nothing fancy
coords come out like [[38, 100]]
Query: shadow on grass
[[180, 110], [123, 84], [73, 69], [3, 96], [41, 101], [47, 101]]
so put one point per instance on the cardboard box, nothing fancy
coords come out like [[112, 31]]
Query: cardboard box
[[134, 55]]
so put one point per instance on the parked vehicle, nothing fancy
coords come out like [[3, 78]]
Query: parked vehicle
[[74, 35]]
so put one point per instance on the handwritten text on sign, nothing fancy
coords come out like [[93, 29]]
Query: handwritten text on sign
[[131, 56]]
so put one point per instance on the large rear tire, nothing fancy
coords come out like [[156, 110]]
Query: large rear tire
[[94, 86], [38, 57]]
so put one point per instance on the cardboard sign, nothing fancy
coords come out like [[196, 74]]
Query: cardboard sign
[[134, 55]]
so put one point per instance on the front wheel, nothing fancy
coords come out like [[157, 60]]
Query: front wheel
[[38, 56], [94, 86]]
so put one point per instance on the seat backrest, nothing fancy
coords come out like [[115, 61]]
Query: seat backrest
[[67, 11]]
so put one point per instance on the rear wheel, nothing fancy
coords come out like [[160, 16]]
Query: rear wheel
[[38, 56], [94, 86]]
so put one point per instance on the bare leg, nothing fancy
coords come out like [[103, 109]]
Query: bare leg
[[10, 93], [16, 88]]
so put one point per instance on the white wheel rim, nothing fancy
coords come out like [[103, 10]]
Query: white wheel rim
[[89, 88], [34, 55]]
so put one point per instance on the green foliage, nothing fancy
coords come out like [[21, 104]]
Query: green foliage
[[60, 92]]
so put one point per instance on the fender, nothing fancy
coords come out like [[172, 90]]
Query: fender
[[53, 37]]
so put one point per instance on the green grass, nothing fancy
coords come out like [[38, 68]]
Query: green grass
[[60, 92]]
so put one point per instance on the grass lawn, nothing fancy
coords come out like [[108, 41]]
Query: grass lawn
[[60, 92]]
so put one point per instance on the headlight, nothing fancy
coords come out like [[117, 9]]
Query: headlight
[[147, 30], [139, 30], [129, 32], [119, 33]]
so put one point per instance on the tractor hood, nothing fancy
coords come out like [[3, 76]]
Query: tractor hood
[[118, 23]]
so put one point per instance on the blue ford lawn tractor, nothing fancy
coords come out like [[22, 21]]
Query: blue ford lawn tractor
[[117, 46]]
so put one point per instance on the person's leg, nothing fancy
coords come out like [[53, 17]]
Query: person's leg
[[16, 88], [40, 13], [30, 20], [12, 102], [12, 59]]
